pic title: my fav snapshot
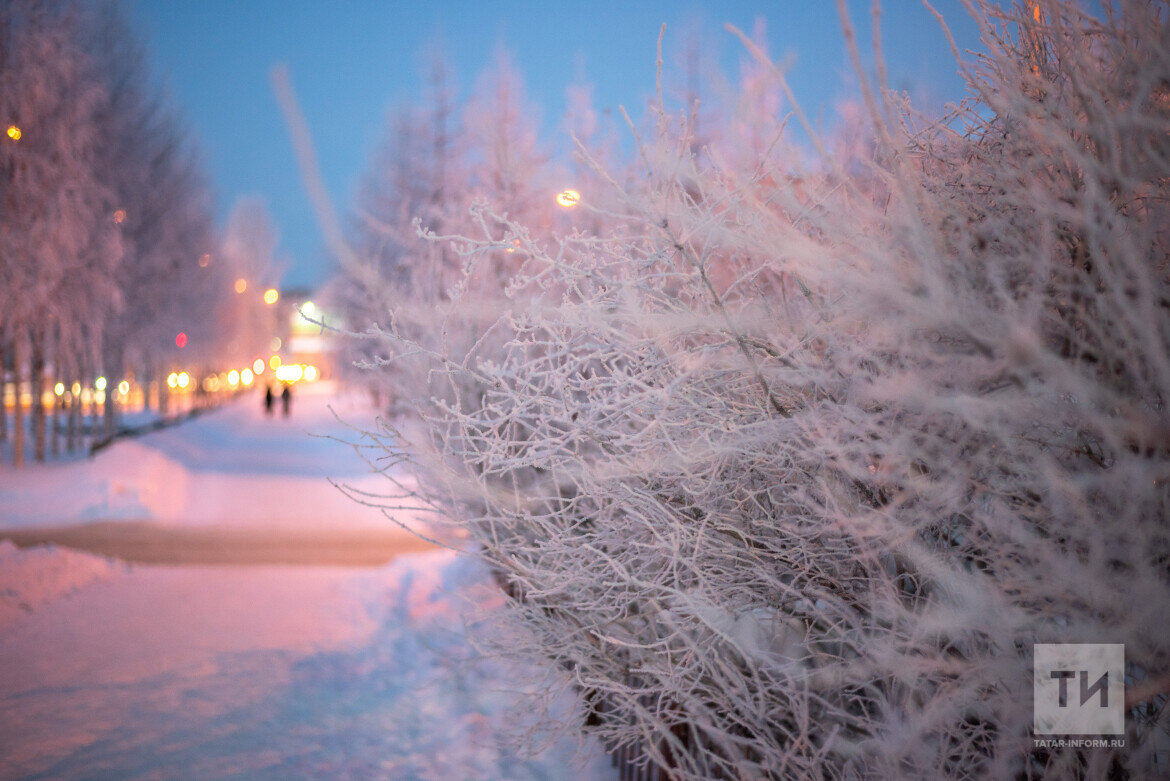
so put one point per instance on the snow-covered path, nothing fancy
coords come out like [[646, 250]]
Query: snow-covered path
[[233, 467], [114, 670], [257, 672]]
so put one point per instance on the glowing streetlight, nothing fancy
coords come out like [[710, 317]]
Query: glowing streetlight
[[233, 378], [290, 372], [271, 295], [204, 260], [184, 379], [258, 366], [274, 362], [310, 373], [247, 377], [173, 380], [120, 216], [308, 309], [241, 285], [59, 389], [568, 198], [100, 383], [14, 132]]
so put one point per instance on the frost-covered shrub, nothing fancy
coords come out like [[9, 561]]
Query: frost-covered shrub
[[789, 469]]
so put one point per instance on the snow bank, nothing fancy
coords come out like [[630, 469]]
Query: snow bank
[[34, 576]]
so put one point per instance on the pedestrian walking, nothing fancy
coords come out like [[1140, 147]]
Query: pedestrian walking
[[268, 401], [285, 399]]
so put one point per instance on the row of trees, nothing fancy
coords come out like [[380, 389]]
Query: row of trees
[[107, 246], [789, 447]]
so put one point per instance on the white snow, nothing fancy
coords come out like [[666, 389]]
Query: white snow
[[267, 673], [233, 465], [133, 671]]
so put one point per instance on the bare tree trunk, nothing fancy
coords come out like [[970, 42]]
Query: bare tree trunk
[[74, 418], [109, 408], [18, 408], [147, 379], [3, 395], [37, 388]]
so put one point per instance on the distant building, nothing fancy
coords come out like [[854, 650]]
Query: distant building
[[312, 332]]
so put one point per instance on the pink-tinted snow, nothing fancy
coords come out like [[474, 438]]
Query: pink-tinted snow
[[266, 673], [232, 466], [132, 671]]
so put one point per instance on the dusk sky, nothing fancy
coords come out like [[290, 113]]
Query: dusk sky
[[353, 61]]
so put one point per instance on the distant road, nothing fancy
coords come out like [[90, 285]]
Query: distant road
[[153, 543]]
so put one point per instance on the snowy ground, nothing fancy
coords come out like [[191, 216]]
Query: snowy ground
[[116, 670], [231, 466]]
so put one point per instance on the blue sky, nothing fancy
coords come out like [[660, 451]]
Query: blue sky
[[352, 61]]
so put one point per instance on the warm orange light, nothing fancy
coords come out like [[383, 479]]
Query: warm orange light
[[233, 378], [204, 260], [270, 296], [310, 373], [184, 379], [120, 216], [59, 389], [568, 198], [274, 362], [241, 285], [123, 387], [247, 377], [14, 132]]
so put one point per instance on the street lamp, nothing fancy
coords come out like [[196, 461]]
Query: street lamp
[[241, 285], [14, 132], [568, 198], [271, 295]]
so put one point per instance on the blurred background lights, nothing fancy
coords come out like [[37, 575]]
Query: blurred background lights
[[241, 285], [59, 389], [246, 377], [181, 339], [14, 132], [289, 373], [271, 295], [233, 378], [258, 366], [568, 198], [100, 383], [184, 379], [123, 387]]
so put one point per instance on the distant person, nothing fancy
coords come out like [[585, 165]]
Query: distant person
[[268, 401], [285, 399]]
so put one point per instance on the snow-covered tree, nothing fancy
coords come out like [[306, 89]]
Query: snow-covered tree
[[58, 241], [789, 470]]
